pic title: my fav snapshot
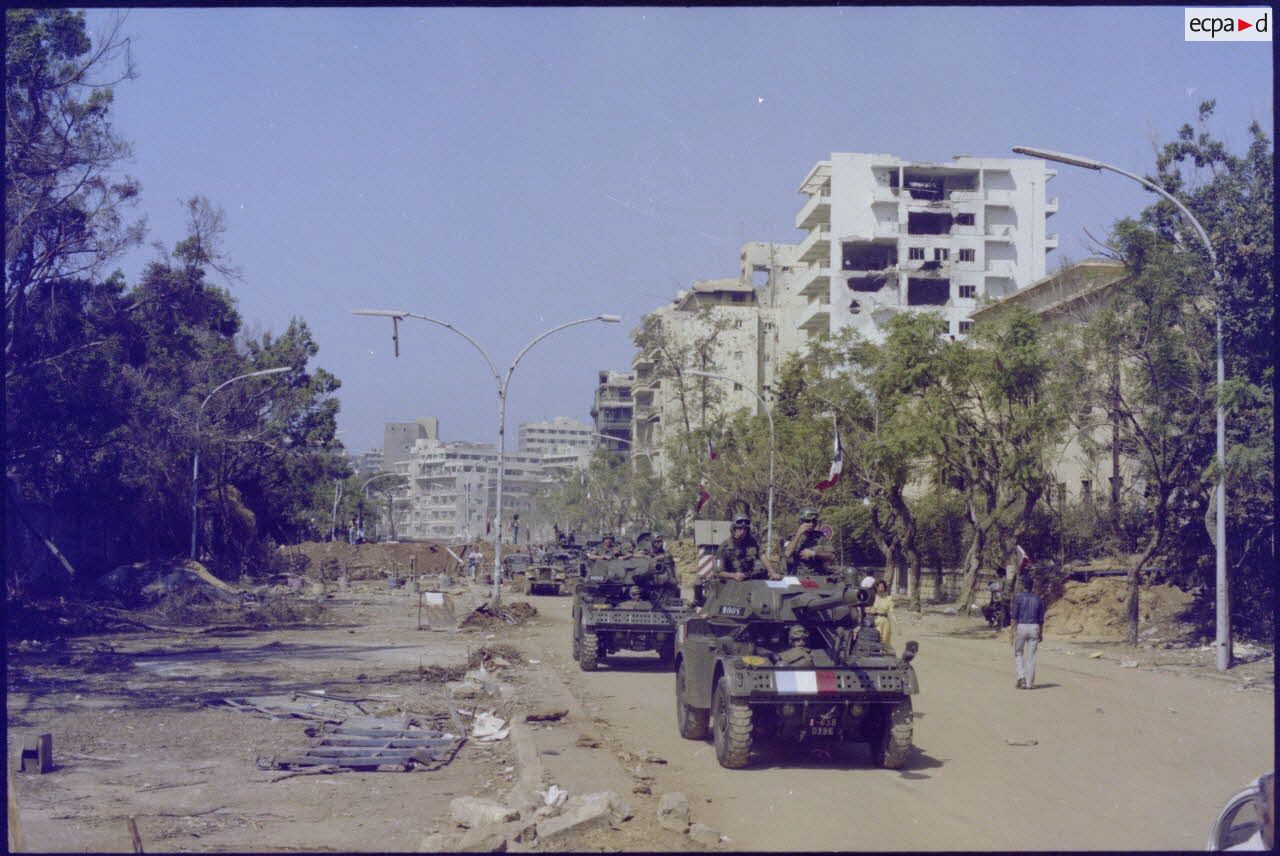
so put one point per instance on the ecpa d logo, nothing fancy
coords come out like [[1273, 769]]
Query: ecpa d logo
[[1223, 24]]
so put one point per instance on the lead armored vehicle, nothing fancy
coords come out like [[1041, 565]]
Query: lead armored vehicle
[[791, 660], [608, 619], [557, 570]]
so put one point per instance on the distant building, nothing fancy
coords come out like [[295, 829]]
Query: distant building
[[368, 463], [398, 438], [556, 436], [612, 410]]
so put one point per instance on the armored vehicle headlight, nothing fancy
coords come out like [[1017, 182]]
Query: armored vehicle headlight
[[753, 660]]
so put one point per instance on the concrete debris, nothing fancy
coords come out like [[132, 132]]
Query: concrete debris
[[704, 835], [1095, 655], [483, 841], [589, 811], [435, 843], [642, 789], [1128, 664], [554, 796], [586, 742], [673, 811], [1027, 742], [474, 812]]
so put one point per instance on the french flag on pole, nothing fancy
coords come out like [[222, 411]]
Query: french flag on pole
[[711, 451], [703, 496], [1024, 561], [837, 464]]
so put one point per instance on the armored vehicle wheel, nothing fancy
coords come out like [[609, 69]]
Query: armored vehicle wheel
[[731, 728], [692, 721], [577, 629], [892, 740], [588, 652]]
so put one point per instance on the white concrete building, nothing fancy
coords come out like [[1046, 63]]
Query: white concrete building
[[556, 436], [398, 438], [887, 235], [612, 410]]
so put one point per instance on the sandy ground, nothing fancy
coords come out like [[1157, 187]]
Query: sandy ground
[[1117, 748]]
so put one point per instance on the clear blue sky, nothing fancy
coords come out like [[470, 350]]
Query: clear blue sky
[[510, 169]]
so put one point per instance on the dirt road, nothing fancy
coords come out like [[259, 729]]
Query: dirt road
[[1123, 758]]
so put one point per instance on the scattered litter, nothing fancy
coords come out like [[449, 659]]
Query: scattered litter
[[950, 610], [1027, 742], [547, 716], [488, 727], [588, 742], [1171, 710], [554, 796], [1095, 655], [1128, 664], [303, 705], [535, 662]]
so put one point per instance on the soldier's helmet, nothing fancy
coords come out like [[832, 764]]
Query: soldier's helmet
[[608, 536], [635, 592], [808, 515], [742, 521], [797, 633], [656, 540]]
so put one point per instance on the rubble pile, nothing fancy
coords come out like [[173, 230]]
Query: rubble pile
[[1096, 609]]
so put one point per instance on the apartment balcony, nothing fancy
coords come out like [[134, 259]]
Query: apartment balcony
[[1000, 198], [1000, 233], [817, 319], [1051, 207], [642, 412], [817, 211], [642, 362], [816, 247], [644, 395], [1051, 241], [617, 423], [965, 195], [1000, 267], [887, 229], [817, 283]]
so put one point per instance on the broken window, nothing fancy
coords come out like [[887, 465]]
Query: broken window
[[968, 292], [923, 186], [928, 292], [916, 254], [968, 255], [864, 256], [928, 223], [941, 254], [759, 276], [964, 220], [867, 283]]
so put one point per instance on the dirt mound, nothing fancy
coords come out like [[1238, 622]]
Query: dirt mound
[[327, 559], [1096, 609]]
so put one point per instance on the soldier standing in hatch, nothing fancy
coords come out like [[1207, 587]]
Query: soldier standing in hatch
[[608, 548], [739, 557], [809, 553], [635, 599]]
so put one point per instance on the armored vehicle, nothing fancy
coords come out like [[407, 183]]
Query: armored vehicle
[[791, 660], [609, 617], [515, 564], [557, 570]]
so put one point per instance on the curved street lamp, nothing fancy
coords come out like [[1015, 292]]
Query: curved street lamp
[[195, 460], [502, 383], [772, 442], [1223, 640]]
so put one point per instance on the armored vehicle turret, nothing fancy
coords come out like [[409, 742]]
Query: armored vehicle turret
[[629, 604], [791, 660], [556, 570]]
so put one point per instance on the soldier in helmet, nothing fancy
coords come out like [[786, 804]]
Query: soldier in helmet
[[635, 599], [608, 548], [808, 553], [739, 557], [798, 654]]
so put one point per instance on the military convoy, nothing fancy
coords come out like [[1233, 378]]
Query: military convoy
[[791, 660], [626, 604], [555, 571]]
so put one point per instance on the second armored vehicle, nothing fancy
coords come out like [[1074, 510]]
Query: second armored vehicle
[[626, 605], [792, 660]]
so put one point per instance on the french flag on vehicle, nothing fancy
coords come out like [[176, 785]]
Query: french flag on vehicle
[[805, 682]]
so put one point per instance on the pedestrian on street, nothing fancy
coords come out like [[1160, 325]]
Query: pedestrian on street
[[882, 609], [1027, 616]]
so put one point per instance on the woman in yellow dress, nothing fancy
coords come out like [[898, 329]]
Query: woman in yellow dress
[[882, 609]]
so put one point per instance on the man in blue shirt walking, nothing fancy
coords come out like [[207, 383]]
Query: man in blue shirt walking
[[1027, 616]]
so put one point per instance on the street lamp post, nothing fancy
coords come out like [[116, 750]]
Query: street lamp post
[[502, 383], [772, 443], [1223, 641], [195, 459]]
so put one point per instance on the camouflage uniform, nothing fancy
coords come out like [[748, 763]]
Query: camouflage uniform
[[741, 557], [636, 600], [815, 566], [798, 654]]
